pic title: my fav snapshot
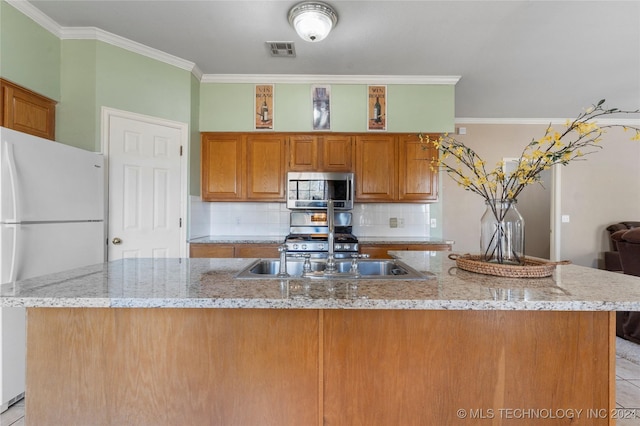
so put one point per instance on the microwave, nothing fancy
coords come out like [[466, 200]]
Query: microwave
[[312, 190]]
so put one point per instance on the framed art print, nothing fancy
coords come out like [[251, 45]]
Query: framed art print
[[377, 110], [321, 96], [264, 107]]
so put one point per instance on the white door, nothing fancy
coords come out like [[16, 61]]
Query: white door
[[147, 187]]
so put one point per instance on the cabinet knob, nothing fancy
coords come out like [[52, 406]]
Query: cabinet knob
[[116, 241]]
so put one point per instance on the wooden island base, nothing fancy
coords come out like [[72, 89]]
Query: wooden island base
[[98, 366]]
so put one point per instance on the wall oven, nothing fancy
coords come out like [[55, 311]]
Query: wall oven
[[311, 190]]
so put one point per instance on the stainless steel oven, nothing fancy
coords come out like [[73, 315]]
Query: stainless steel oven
[[309, 234], [312, 190]]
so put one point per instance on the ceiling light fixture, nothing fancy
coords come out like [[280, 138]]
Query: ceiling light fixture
[[312, 20]]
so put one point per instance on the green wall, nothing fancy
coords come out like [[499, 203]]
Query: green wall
[[29, 54], [410, 108], [77, 116], [97, 74], [85, 75]]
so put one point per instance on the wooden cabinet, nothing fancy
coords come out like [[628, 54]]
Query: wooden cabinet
[[26, 111], [263, 250], [395, 168], [242, 167], [416, 179], [265, 167], [376, 177], [252, 166], [326, 153], [167, 366], [381, 251], [212, 250], [222, 167]]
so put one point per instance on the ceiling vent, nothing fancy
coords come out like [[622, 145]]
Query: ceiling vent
[[284, 49]]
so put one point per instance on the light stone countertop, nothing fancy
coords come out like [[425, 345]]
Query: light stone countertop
[[271, 239], [403, 240], [210, 283], [238, 239]]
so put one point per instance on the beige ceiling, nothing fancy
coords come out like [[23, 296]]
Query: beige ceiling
[[516, 59]]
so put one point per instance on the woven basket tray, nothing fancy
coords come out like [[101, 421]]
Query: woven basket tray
[[532, 268]]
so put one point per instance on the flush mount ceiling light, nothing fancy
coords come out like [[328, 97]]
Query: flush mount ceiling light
[[312, 20]]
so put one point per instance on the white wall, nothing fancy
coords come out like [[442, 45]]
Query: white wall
[[602, 189]]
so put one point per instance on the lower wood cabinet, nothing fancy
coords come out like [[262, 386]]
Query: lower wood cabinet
[[234, 250], [382, 251]]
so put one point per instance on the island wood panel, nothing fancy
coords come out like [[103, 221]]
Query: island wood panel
[[172, 366], [421, 367]]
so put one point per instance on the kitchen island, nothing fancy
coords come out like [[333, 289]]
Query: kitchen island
[[181, 341]]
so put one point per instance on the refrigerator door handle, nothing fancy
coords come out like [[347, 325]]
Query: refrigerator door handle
[[11, 167], [13, 270]]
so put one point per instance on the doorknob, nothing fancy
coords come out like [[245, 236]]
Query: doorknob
[[116, 241]]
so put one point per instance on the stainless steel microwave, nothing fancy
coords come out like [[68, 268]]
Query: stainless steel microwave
[[312, 190]]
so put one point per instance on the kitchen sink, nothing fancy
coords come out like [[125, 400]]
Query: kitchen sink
[[387, 269]]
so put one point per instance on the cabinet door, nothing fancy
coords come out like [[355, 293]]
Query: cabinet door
[[337, 152], [303, 153], [257, 250], [376, 168], [26, 111], [222, 167], [211, 250], [416, 180], [265, 168]]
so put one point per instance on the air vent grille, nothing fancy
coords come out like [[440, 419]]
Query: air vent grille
[[284, 49]]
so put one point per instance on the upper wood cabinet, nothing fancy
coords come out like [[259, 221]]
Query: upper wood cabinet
[[242, 167], [26, 111], [265, 167], [376, 175], [395, 168], [222, 167], [416, 180], [325, 153], [252, 166]]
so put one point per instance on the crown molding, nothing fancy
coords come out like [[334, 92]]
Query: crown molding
[[92, 33], [330, 79], [36, 15]]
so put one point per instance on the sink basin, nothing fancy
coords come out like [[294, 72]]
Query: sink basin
[[387, 269]]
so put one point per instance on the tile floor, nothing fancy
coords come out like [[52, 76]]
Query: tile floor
[[627, 397]]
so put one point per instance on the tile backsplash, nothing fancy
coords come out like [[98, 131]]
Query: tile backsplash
[[272, 219]]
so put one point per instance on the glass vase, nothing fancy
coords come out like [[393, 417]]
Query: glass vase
[[502, 233]]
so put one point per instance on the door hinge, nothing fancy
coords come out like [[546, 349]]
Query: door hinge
[[180, 150], [180, 222]]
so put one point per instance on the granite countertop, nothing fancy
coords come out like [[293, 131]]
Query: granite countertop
[[210, 283], [270, 239], [403, 240], [238, 239]]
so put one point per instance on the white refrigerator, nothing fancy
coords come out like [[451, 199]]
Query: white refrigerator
[[51, 219]]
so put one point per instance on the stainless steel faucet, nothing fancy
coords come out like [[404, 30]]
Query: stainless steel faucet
[[331, 262], [282, 272]]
